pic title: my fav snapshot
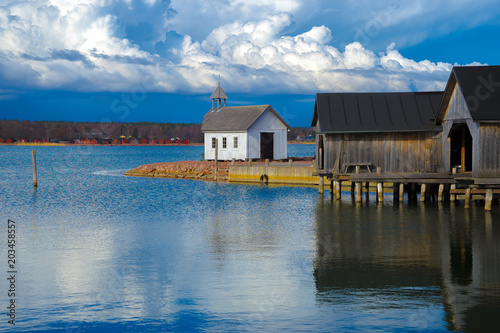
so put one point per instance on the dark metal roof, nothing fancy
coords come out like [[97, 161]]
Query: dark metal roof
[[236, 118], [480, 86], [219, 93], [376, 112]]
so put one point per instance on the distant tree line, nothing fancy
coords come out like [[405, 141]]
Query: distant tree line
[[65, 130]]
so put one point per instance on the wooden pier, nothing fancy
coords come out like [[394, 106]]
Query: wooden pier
[[430, 186]]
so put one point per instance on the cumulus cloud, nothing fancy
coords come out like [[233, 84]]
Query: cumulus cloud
[[98, 45]]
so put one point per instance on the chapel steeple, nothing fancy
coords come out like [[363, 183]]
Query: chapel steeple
[[217, 97]]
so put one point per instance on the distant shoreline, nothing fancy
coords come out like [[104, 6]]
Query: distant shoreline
[[55, 144]]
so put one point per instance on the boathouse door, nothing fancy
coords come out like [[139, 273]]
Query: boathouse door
[[266, 145], [461, 148]]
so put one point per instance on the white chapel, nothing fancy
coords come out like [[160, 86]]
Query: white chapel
[[243, 132]]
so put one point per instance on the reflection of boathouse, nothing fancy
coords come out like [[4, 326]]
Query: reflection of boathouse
[[435, 258], [449, 139]]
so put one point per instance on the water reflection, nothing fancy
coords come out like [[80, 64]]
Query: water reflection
[[414, 257]]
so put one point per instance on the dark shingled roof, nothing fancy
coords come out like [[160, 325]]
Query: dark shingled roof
[[480, 86], [219, 93], [376, 112], [236, 118]]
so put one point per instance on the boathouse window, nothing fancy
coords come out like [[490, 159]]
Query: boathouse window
[[224, 143], [235, 142], [214, 143]]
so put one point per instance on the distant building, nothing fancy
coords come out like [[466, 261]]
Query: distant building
[[243, 132]]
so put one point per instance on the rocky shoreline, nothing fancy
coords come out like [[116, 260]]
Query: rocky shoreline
[[200, 170]]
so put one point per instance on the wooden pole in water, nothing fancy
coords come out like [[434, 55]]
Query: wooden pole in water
[[440, 192], [489, 199], [358, 187], [380, 188], [216, 158], [338, 190], [401, 192], [422, 192], [321, 184], [33, 157], [467, 198]]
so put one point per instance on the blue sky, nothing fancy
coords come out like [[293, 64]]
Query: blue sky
[[153, 60]]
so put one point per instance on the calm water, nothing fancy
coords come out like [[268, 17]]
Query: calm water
[[98, 251]]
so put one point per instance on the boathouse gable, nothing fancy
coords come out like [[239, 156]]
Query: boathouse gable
[[470, 116], [394, 132]]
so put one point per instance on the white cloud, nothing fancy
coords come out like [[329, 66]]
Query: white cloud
[[63, 44]]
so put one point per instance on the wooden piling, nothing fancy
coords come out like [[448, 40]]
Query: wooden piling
[[33, 157], [422, 192], [321, 185], [338, 190], [467, 198], [452, 195], [332, 191], [488, 199], [267, 162], [249, 162], [216, 158], [440, 192], [380, 192], [401, 192], [233, 161], [290, 162]]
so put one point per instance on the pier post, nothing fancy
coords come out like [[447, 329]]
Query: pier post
[[216, 158], [422, 192], [440, 192], [332, 184], [338, 190], [290, 162], [249, 162], [33, 157], [452, 195], [380, 192], [401, 192], [233, 161], [359, 189], [488, 199], [267, 162], [380, 188], [321, 184], [467, 198]]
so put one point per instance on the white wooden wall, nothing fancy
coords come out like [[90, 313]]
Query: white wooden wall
[[269, 123], [229, 152]]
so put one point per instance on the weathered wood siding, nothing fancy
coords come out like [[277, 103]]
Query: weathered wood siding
[[489, 155], [393, 152]]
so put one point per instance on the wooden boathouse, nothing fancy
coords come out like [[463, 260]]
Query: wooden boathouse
[[438, 142]]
